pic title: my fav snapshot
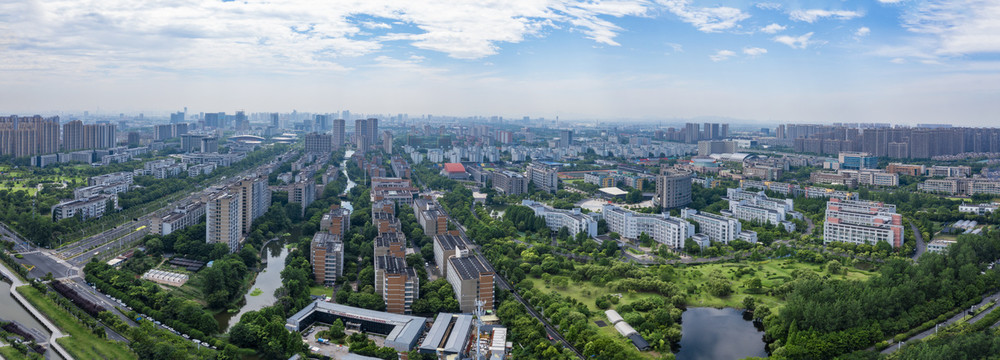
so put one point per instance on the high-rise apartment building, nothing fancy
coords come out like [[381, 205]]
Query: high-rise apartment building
[[255, 198], [338, 133], [361, 138], [390, 243], [302, 192], [327, 257], [336, 222], [319, 143], [387, 142], [224, 220], [372, 132], [862, 222], [275, 120], [673, 189], [509, 182], [177, 117], [209, 144]]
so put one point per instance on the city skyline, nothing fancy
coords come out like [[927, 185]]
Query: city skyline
[[811, 62]]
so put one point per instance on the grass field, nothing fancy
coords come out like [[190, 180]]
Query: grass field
[[81, 342], [7, 352], [320, 290]]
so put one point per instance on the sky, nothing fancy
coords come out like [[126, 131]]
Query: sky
[[896, 61]]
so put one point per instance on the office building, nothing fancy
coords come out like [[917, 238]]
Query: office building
[[319, 143], [673, 189], [760, 209], [545, 177], [574, 220], [709, 147], [862, 222], [327, 257], [472, 281], [509, 182], [177, 117], [857, 160], [905, 169], [717, 227], [401, 332], [565, 138], [663, 228], [397, 283], [338, 133], [209, 145], [224, 220]]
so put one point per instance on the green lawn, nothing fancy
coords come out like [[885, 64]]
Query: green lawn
[[81, 342], [320, 290]]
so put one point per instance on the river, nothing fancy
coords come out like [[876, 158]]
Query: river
[[13, 311], [709, 334], [269, 279]]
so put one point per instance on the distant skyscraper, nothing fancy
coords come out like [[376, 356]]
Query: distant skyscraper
[[725, 131], [373, 134], [177, 117], [361, 138], [28, 136], [275, 120], [214, 120], [73, 135], [715, 132], [387, 142], [322, 122], [338, 133], [565, 138], [241, 122], [691, 134]]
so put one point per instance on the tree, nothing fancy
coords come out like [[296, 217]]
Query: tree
[[749, 303], [634, 196], [834, 267]]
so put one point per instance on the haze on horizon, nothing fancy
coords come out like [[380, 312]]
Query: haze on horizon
[[894, 61]]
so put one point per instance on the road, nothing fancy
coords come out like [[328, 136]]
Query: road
[[504, 284], [122, 236], [950, 321], [921, 247]]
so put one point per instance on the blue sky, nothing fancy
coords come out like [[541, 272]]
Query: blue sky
[[776, 61]]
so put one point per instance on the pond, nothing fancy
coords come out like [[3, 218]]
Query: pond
[[710, 334], [267, 281]]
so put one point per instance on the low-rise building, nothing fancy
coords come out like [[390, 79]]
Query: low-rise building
[[978, 209], [430, 216], [862, 222], [402, 332], [663, 228], [87, 208], [182, 217], [574, 220], [939, 245], [717, 227]]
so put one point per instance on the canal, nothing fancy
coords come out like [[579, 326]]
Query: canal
[[709, 334], [13, 311]]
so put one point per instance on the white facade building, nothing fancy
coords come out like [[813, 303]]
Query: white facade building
[[717, 227], [574, 220], [662, 228]]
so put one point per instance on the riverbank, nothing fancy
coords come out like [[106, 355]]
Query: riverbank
[[56, 334], [80, 343]]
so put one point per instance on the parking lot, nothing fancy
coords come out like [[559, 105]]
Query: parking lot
[[335, 351]]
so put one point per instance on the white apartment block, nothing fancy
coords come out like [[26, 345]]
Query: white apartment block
[[574, 220], [663, 228], [91, 207], [182, 217], [862, 222], [978, 209], [717, 227], [112, 178]]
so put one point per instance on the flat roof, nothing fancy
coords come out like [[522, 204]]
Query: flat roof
[[406, 328], [450, 242], [613, 191], [469, 267]]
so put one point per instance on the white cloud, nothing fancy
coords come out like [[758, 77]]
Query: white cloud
[[101, 37], [768, 6], [773, 28], [754, 51], [796, 42], [706, 19], [958, 27], [811, 15], [722, 55], [898, 61], [862, 31], [890, 1]]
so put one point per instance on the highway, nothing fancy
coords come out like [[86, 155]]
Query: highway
[[122, 236]]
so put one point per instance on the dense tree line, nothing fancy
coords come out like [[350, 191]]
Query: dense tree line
[[823, 318]]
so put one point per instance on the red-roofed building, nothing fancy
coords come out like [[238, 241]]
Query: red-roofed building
[[454, 171]]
